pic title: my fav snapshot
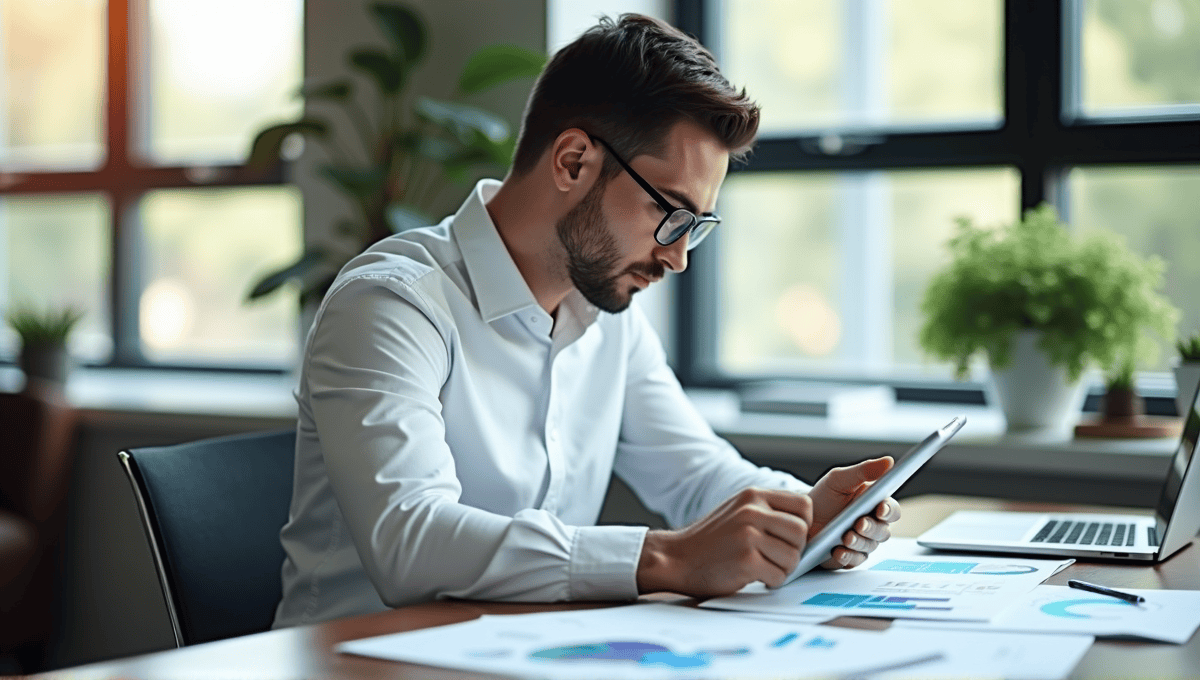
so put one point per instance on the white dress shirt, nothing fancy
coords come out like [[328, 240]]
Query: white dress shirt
[[455, 440]]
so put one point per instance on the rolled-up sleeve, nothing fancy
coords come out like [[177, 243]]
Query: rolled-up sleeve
[[379, 356], [668, 454]]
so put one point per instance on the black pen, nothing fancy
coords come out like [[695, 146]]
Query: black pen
[[1101, 590]]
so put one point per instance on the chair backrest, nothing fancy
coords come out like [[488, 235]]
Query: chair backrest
[[212, 511]]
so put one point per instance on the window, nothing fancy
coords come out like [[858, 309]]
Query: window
[[882, 121], [122, 130]]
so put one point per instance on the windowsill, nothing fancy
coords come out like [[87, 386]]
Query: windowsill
[[101, 393], [981, 446]]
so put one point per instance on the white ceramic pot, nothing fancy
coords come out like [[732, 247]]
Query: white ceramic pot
[[1187, 380], [1034, 394]]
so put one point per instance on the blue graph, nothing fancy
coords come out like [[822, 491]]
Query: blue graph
[[855, 601], [641, 653], [953, 568]]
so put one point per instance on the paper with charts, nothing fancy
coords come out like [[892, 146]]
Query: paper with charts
[[902, 580], [980, 654], [1165, 616], [650, 641]]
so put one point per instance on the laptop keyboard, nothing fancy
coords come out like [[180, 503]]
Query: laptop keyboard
[[1089, 533]]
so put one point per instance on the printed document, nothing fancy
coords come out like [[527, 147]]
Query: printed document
[[1165, 616], [651, 641], [902, 580]]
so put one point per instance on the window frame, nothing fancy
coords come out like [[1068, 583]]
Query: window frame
[[1041, 135], [124, 177]]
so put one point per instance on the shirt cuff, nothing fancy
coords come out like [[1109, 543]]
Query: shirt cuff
[[604, 562]]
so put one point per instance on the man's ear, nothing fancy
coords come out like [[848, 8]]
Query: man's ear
[[575, 162]]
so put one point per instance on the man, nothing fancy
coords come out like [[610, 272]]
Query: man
[[469, 388]]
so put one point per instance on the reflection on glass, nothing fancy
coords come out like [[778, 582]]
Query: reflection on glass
[[218, 71], [825, 272], [1139, 57], [56, 253], [821, 63], [51, 83], [1154, 210], [204, 250], [1178, 468]]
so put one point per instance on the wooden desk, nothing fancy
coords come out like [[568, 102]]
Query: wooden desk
[[307, 652]]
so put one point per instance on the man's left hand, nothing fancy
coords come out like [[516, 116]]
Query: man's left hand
[[834, 491]]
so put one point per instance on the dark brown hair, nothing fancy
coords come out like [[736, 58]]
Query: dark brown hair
[[629, 83]]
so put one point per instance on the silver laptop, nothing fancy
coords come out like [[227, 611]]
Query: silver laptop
[[1137, 538]]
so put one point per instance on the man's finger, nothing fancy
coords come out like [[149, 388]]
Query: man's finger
[[850, 479], [888, 510], [796, 504], [872, 529]]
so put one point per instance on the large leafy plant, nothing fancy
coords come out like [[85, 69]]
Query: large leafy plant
[[1093, 300], [394, 154]]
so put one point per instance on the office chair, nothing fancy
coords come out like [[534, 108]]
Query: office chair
[[212, 511]]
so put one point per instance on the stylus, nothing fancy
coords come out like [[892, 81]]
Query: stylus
[[1101, 590]]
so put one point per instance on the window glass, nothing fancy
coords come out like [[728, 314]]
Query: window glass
[[204, 250], [1154, 210], [1140, 57], [51, 82], [217, 72], [824, 272], [56, 254], [821, 63]]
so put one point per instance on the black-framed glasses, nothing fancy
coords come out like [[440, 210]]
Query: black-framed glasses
[[677, 221]]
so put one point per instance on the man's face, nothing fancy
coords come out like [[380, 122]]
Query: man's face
[[609, 236]]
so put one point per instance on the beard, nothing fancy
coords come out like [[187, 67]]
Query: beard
[[592, 255]]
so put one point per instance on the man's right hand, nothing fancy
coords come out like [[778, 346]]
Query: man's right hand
[[756, 535]]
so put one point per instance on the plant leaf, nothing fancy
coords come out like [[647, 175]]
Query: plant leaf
[[358, 182], [462, 121], [433, 147], [404, 28], [311, 261], [264, 150], [404, 217], [338, 90], [496, 64], [386, 71]]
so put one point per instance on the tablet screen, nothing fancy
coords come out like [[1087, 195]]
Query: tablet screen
[[821, 546]]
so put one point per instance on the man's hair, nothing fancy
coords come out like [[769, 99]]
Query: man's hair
[[629, 83]]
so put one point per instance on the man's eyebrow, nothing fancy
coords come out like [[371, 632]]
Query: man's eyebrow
[[681, 199]]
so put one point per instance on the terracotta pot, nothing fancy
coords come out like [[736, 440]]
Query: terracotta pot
[[1121, 403]]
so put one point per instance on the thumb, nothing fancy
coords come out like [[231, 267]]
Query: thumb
[[853, 477]]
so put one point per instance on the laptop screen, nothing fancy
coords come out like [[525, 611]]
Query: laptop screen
[[1179, 465]]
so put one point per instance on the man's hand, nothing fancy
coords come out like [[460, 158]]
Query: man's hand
[[756, 535], [834, 491]]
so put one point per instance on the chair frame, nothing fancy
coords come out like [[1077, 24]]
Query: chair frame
[[153, 536]]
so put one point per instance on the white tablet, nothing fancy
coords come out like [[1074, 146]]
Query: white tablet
[[821, 546]]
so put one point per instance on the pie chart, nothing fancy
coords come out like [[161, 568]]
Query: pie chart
[[1087, 608]]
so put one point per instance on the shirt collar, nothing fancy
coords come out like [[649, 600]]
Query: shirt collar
[[499, 287]]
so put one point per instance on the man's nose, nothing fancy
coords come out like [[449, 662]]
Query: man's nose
[[674, 257]]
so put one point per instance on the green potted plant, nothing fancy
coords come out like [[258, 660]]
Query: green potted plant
[[1042, 307], [1187, 372], [43, 336], [394, 154]]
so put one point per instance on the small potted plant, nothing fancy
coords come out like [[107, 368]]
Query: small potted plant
[[43, 337], [1042, 308], [1187, 372]]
